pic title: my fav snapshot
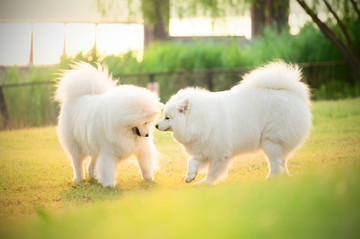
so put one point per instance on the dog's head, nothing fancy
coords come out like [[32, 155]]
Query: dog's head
[[175, 113], [143, 126]]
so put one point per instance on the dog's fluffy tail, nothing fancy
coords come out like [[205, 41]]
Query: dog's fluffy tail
[[279, 76], [83, 79]]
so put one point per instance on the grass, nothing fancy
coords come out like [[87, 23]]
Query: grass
[[38, 199]]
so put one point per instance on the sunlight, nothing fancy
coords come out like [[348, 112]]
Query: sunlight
[[48, 43], [200, 26], [114, 39], [111, 39], [15, 44], [79, 37]]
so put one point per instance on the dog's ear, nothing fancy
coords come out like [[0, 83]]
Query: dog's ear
[[152, 115], [183, 106], [154, 110], [160, 106]]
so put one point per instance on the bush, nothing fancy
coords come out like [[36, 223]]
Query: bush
[[33, 105], [336, 89]]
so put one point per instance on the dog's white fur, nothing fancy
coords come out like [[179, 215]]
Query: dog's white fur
[[268, 110], [101, 120]]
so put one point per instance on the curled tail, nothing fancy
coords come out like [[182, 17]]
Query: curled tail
[[279, 76], [83, 79]]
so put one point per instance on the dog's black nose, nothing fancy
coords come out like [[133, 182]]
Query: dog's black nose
[[147, 135], [157, 126]]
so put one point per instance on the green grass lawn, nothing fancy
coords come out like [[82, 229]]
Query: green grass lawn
[[320, 200]]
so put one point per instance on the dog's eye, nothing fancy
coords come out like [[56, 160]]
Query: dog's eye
[[167, 118]]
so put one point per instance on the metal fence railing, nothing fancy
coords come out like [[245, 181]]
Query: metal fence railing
[[315, 74]]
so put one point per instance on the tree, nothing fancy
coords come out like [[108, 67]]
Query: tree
[[264, 13], [269, 13], [341, 40], [156, 15]]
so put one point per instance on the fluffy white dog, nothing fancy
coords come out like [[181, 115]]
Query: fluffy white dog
[[268, 110], [105, 122]]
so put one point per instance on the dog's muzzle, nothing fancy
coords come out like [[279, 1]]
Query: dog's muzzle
[[157, 126], [137, 132]]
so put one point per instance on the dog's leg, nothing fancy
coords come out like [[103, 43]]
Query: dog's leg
[[78, 167], [215, 170], [91, 167], [284, 166], [275, 157], [106, 169], [286, 156], [146, 158], [77, 161], [194, 166]]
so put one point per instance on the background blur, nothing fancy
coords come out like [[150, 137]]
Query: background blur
[[207, 43]]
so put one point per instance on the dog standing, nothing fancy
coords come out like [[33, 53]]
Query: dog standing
[[105, 122], [268, 110]]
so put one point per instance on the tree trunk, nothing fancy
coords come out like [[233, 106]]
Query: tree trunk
[[349, 55], [156, 15], [269, 13], [278, 16], [257, 18]]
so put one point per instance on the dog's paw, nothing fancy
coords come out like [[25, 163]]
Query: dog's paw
[[204, 182], [78, 179], [150, 180], [108, 184], [188, 178]]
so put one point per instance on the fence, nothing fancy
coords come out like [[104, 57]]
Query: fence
[[31, 104]]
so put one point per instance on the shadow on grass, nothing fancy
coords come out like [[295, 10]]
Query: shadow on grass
[[91, 190]]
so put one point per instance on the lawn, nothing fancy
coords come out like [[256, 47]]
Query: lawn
[[320, 200]]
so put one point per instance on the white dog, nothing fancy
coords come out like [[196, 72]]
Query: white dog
[[105, 122], [268, 110]]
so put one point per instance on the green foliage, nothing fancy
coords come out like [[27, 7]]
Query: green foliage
[[156, 10], [39, 200], [126, 64], [160, 57], [30, 105], [33, 105], [343, 8], [212, 8], [308, 46], [129, 10], [335, 89]]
